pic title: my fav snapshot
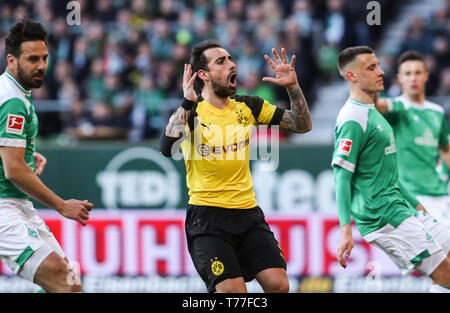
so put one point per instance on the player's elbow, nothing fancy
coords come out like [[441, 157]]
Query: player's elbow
[[304, 128], [308, 127], [166, 153], [168, 145]]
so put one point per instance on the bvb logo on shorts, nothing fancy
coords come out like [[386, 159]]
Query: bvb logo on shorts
[[217, 267]]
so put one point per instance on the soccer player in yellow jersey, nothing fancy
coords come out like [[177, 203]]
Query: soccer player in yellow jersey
[[228, 238]]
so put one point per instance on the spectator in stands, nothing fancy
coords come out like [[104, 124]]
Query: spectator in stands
[[302, 15], [248, 62], [147, 115], [161, 40], [417, 38], [101, 123], [444, 87], [76, 117], [433, 74]]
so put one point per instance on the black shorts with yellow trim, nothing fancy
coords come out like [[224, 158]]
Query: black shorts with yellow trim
[[230, 243]]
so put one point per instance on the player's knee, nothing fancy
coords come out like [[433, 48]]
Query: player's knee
[[65, 280], [56, 275], [232, 285], [441, 275], [278, 286], [446, 267]]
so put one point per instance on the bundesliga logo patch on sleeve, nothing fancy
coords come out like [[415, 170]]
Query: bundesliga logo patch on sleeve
[[345, 145], [15, 124]]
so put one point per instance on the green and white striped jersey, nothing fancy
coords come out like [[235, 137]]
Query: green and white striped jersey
[[364, 144], [419, 131], [18, 127]]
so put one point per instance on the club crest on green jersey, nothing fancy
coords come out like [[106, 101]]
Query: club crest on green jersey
[[427, 139], [391, 148]]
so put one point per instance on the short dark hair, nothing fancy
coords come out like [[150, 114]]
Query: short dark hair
[[198, 60], [349, 54], [23, 31], [409, 55]]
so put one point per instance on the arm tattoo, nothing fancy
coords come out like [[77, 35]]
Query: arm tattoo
[[297, 119], [177, 123]]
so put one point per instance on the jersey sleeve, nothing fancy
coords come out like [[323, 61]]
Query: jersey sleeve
[[444, 136], [395, 108], [13, 115], [264, 112], [342, 182], [270, 114], [347, 143]]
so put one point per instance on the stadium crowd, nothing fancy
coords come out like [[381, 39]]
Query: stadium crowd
[[121, 69]]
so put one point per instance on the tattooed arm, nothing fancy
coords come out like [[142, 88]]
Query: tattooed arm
[[178, 120], [175, 132], [177, 123], [297, 119]]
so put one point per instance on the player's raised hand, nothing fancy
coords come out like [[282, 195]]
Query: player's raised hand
[[188, 83], [76, 210], [346, 245], [39, 163], [284, 71]]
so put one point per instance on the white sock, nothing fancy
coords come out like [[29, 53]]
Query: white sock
[[439, 289]]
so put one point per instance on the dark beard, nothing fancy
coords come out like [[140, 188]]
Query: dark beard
[[27, 81], [222, 91]]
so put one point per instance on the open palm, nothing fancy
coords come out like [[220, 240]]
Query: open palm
[[188, 83], [284, 71]]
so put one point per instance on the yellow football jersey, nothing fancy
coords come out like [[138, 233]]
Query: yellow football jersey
[[216, 153]]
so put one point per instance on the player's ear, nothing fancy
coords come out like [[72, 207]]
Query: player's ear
[[11, 60], [350, 76], [202, 75]]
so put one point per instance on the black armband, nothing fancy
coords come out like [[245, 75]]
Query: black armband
[[187, 104], [166, 144]]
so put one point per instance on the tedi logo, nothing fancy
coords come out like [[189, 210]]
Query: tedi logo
[[139, 177]]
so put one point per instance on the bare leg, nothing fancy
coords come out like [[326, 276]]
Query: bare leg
[[55, 275], [232, 285], [273, 280]]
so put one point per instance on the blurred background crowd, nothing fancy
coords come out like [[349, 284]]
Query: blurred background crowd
[[118, 74]]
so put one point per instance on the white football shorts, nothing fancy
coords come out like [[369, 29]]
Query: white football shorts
[[410, 246], [439, 207], [25, 239]]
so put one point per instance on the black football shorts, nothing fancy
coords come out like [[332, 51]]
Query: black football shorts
[[229, 243]]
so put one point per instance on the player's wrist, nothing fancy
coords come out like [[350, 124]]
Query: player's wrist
[[293, 85], [58, 205], [346, 229], [187, 104]]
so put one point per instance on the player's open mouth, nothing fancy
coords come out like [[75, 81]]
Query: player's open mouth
[[233, 79]]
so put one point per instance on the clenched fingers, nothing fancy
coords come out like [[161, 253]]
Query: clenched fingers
[[87, 205]]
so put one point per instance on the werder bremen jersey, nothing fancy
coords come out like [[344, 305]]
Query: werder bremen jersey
[[364, 144], [216, 153], [419, 131], [18, 127]]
